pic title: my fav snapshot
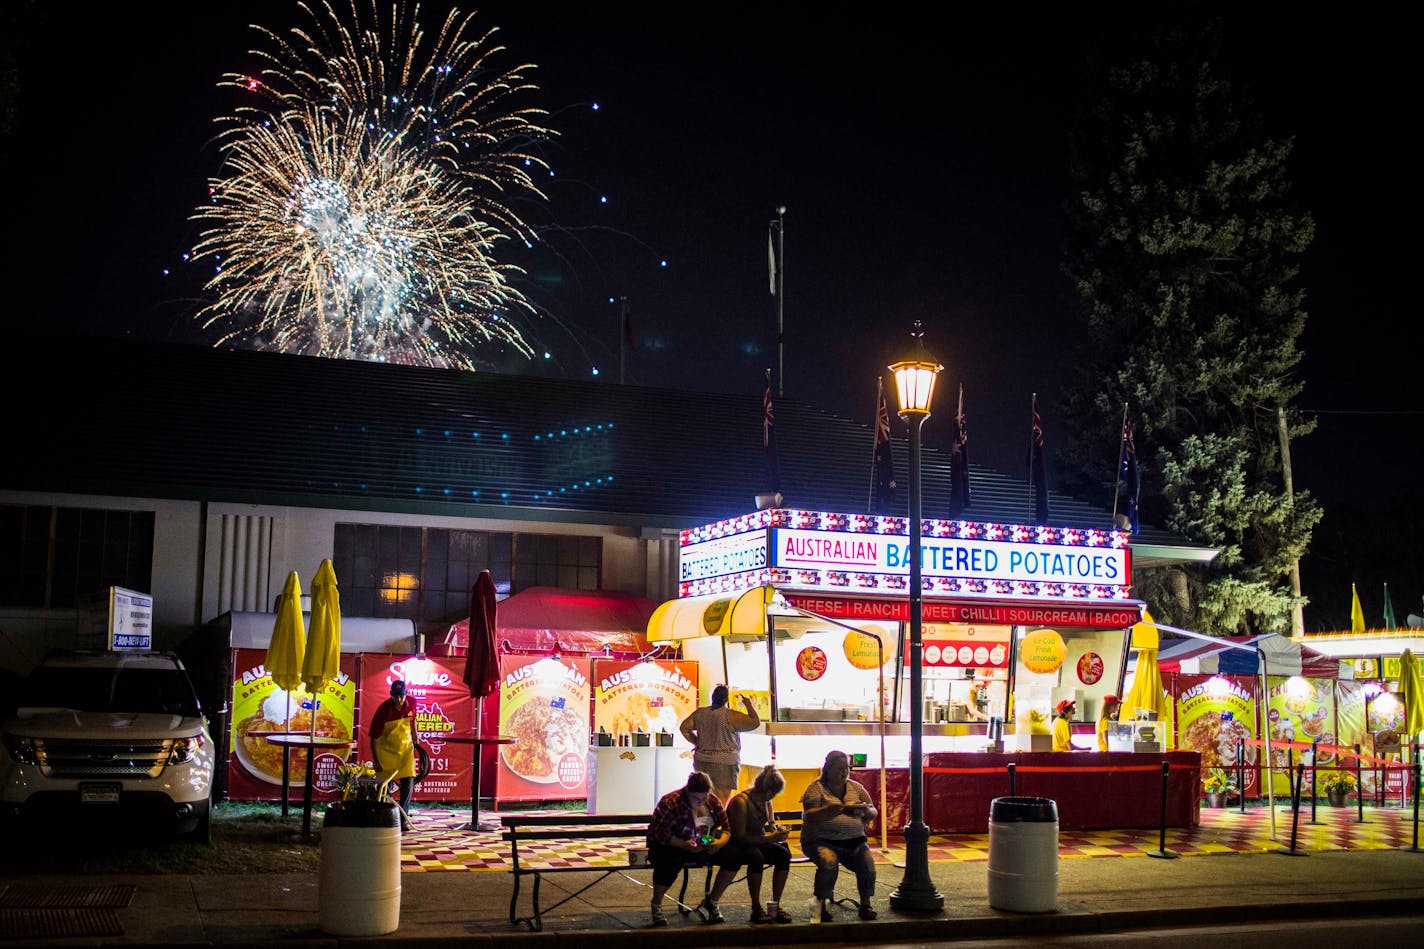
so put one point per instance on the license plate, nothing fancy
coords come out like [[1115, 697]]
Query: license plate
[[99, 793]]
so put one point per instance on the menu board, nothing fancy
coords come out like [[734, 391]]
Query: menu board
[[259, 707], [1213, 714], [962, 645], [1300, 709], [442, 708], [544, 707], [643, 696]]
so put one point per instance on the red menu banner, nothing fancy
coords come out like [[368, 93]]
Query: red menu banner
[[1092, 616], [544, 707], [442, 708], [965, 646]]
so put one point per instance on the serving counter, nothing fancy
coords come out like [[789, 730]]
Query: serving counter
[[1093, 789]]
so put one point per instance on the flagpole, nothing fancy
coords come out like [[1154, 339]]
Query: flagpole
[[874, 443], [1121, 457], [622, 338], [1032, 442], [780, 295]]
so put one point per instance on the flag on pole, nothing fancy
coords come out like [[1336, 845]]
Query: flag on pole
[[1128, 473], [1357, 613], [959, 461], [1038, 468], [771, 255], [882, 492], [1388, 609], [768, 441]]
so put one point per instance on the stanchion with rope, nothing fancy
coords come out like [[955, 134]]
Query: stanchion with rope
[[1241, 773], [1013, 779], [1291, 851], [1162, 851], [1294, 803], [1415, 847], [1314, 797], [1359, 790]]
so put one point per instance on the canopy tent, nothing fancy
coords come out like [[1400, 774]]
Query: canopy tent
[[1282, 656], [542, 619]]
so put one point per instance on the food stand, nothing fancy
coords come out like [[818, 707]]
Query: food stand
[[783, 605]]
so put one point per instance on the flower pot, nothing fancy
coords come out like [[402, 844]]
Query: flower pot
[[1336, 798], [359, 890], [1215, 799]]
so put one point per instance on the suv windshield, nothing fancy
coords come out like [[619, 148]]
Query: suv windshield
[[166, 691]]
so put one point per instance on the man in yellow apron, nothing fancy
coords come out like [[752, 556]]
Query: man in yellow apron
[[393, 745]]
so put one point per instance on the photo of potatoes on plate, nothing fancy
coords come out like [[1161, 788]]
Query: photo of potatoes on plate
[[276, 716]]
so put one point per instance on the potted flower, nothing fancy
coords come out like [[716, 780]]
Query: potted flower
[[1218, 785], [1337, 785]]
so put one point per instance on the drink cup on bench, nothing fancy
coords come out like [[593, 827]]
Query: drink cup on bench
[[637, 856]]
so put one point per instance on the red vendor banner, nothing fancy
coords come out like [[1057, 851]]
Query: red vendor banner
[[958, 645], [544, 706], [260, 708], [442, 708]]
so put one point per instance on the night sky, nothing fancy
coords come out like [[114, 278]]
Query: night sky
[[923, 165]]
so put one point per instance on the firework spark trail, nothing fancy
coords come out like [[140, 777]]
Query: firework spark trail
[[364, 197]]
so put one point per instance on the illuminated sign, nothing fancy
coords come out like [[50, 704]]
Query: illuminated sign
[[722, 556], [971, 559], [1104, 616]]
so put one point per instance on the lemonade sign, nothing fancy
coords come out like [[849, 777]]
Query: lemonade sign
[[862, 651], [1043, 651]]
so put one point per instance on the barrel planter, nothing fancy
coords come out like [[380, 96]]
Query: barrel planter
[[359, 890]]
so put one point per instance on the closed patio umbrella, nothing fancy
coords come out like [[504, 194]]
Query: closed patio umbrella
[[1146, 692], [1411, 689], [481, 674], [289, 639], [322, 662]]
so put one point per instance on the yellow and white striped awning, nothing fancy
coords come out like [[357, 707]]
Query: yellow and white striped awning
[[739, 614]]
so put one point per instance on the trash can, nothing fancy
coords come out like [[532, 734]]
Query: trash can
[[1023, 854], [359, 889]]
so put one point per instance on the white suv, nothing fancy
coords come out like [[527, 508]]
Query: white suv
[[109, 734]]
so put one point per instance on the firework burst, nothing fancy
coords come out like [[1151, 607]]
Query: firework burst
[[367, 186]]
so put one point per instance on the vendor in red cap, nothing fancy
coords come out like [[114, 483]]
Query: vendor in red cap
[[1111, 703], [1062, 731]]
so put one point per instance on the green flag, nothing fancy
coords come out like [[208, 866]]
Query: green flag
[[1388, 609]]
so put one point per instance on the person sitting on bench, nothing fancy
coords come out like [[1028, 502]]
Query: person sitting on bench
[[834, 811], [689, 825], [760, 842]]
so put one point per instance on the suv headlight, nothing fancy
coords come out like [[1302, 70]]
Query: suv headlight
[[22, 749], [184, 749]]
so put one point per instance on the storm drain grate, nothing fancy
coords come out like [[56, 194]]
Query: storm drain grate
[[56, 923], [66, 897]]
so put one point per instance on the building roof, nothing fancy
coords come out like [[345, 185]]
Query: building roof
[[163, 420]]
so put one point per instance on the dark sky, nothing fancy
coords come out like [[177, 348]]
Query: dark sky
[[922, 157]]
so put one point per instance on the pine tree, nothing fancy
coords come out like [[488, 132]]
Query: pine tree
[[1185, 257]]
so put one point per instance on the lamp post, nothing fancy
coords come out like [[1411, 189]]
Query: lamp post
[[914, 384]]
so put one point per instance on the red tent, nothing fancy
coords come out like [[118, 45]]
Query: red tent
[[541, 619]]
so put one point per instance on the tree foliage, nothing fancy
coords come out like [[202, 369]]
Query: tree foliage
[[1184, 257]]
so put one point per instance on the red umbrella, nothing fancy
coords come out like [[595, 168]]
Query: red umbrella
[[481, 675], [482, 659]]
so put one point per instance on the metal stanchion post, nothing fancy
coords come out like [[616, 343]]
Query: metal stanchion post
[[1415, 847], [1162, 850], [1241, 772], [1291, 851], [1314, 797], [1290, 776], [1013, 779], [1359, 790]]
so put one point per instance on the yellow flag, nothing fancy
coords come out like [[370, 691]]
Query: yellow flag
[[1357, 614]]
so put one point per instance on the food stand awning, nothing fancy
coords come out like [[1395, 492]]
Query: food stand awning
[[1282, 656], [741, 615]]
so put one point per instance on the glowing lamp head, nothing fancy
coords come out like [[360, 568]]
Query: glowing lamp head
[[915, 378]]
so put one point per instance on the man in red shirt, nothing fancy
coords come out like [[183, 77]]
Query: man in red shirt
[[393, 744]]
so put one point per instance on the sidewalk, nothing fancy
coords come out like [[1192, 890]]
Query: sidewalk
[[471, 908]]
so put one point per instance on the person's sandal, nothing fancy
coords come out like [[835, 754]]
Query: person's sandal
[[782, 916], [710, 913], [761, 917]]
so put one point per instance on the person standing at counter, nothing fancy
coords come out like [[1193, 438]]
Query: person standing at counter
[[834, 812], [1111, 703], [689, 824], [1062, 730], [713, 731], [760, 842], [393, 744]]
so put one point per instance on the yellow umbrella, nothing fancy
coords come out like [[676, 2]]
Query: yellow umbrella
[[289, 639], [1146, 692], [1411, 689], [322, 662]]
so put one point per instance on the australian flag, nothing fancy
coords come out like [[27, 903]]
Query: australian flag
[[772, 476], [959, 462], [882, 500], [1128, 473], [1038, 469]]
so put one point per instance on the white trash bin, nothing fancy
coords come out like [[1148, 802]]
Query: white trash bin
[[1023, 854], [359, 890]]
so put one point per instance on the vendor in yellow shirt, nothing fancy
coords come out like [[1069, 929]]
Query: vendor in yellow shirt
[[1062, 731], [1111, 703]]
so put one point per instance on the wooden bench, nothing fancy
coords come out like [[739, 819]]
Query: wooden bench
[[578, 827]]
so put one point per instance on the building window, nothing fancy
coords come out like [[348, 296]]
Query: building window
[[52, 556], [426, 574]]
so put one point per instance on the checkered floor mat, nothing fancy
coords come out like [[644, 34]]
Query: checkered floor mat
[[439, 840]]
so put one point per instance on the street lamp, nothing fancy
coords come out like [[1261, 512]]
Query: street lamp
[[914, 384]]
